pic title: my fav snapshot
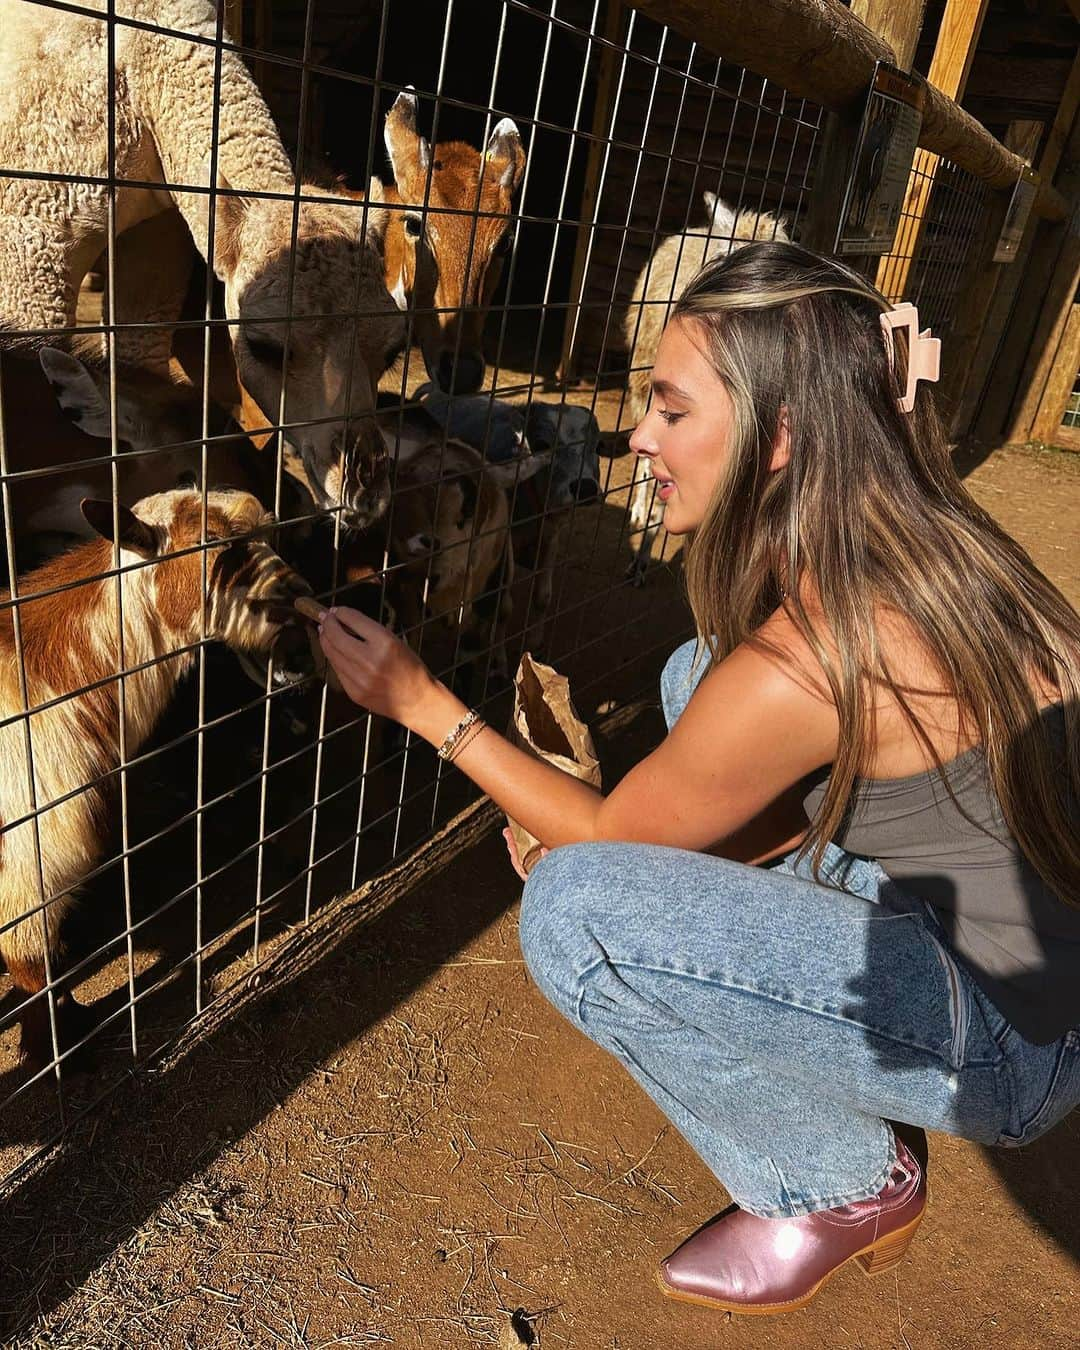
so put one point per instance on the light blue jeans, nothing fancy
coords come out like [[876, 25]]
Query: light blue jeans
[[780, 1024]]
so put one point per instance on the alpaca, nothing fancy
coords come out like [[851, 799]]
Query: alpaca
[[663, 279], [445, 262], [69, 641], [54, 102]]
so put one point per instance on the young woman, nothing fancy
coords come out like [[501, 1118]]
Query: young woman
[[875, 649]]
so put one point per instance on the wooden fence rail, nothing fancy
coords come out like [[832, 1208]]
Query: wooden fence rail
[[818, 49]]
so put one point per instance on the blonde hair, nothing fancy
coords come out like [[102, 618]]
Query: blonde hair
[[871, 509]]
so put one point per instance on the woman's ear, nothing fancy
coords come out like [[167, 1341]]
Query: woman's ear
[[781, 450]]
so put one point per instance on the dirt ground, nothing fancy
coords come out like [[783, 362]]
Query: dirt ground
[[387, 1137]]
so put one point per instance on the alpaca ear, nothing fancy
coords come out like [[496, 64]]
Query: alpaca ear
[[135, 535], [408, 152], [377, 216], [77, 392], [506, 154], [721, 217], [230, 212]]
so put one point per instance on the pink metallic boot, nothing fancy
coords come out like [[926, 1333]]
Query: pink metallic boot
[[744, 1264]]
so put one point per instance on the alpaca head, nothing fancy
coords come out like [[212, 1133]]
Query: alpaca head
[[448, 258], [729, 226], [249, 592], [344, 332]]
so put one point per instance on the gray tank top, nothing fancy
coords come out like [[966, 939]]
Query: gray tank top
[[1019, 941]]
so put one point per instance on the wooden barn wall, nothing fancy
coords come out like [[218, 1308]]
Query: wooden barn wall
[[727, 131]]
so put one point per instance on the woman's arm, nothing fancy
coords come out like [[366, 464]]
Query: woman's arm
[[749, 733]]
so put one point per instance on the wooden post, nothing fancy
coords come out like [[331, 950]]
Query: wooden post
[[234, 20], [999, 362], [898, 23], [1059, 385], [957, 39], [1049, 335], [613, 22]]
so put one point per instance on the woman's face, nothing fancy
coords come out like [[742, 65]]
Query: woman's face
[[686, 434]]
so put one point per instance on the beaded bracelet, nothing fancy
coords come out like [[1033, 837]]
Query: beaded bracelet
[[449, 746], [468, 737]]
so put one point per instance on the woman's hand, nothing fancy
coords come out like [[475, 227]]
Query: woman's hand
[[515, 857], [377, 669]]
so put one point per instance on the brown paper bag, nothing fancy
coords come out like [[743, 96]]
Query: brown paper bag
[[546, 723]]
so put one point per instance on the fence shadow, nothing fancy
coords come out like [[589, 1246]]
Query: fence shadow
[[118, 1165]]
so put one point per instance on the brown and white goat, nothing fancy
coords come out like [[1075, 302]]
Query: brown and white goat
[[444, 262], [57, 444], [70, 642], [450, 529]]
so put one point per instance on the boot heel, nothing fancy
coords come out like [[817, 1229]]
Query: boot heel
[[888, 1252]]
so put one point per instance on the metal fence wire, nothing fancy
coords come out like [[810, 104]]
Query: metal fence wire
[[219, 315]]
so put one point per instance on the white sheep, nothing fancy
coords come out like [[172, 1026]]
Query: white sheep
[[54, 120], [662, 281]]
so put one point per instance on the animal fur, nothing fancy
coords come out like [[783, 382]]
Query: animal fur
[[69, 641], [662, 281], [57, 432], [54, 102]]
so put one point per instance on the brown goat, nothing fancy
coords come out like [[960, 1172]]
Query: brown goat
[[450, 531], [69, 641]]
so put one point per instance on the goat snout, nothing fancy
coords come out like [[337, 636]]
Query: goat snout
[[462, 374]]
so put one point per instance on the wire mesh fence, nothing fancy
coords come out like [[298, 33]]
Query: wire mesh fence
[[942, 214], [409, 397]]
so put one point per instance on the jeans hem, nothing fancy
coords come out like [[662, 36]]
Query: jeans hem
[[809, 1203]]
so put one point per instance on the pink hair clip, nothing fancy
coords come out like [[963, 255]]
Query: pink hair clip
[[924, 351]]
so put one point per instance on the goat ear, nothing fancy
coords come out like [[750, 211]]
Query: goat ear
[[506, 154], [512, 472], [76, 391], [229, 215], [408, 152], [135, 535]]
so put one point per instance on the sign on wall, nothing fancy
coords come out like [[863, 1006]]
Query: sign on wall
[[884, 151], [1025, 190]]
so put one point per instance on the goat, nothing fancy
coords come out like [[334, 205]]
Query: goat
[[57, 442], [68, 626], [449, 525], [660, 284]]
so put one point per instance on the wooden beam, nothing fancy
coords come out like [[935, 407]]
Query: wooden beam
[[999, 361], [1067, 438], [818, 49], [1060, 381], [899, 23], [957, 39]]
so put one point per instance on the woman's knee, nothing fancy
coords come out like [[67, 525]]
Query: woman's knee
[[679, 679], [555, 929]]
